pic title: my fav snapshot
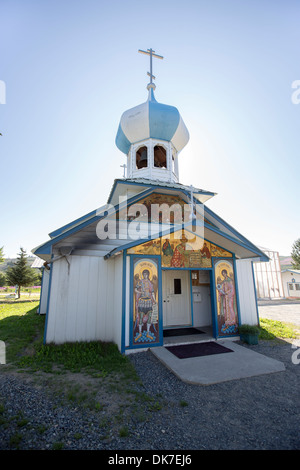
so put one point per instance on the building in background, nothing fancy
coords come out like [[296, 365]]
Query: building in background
[[268, 279], [291, 282]]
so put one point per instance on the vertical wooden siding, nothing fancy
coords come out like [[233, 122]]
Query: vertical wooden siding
[[246, 289], [86, 302]]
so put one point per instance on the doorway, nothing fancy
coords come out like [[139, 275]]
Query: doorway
[[176, 298], [201, 289]]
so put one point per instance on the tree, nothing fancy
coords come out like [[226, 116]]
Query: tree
[[1, 255], [2, 280], [21, 274], [296, 254]]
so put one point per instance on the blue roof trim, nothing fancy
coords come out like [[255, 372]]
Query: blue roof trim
[[71, 224], [121, 141], [156, 186]]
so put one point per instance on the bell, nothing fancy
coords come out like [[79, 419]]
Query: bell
[[144, 159]]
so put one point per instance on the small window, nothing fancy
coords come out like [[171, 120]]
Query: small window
[[177, 286], [160, 157], [297, 286], [291, 286], [142, 157]]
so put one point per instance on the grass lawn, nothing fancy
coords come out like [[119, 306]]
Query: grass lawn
[[19, 326], [22, 330], [272, 329], [92, 375]]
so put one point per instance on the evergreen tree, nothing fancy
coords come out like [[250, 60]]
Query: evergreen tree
[[296, 254], [21, 274], [2, 280], [1, 255]]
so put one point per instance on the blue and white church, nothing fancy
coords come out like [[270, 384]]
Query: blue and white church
[[154, 261]]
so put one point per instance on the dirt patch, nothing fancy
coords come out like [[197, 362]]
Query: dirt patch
[[110, 394]]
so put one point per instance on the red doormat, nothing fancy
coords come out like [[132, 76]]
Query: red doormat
[[198, 349]]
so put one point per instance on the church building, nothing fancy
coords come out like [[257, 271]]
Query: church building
[[154, 258]]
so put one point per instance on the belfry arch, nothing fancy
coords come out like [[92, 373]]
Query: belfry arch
[[160, 156]]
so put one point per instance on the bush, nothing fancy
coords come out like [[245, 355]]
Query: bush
[[248, 329]]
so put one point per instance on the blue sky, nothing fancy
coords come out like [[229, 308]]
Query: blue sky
[[71, 68]]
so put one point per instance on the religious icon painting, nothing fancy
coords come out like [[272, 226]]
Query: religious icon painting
[[181, 251], [227, 314], [145, 328]]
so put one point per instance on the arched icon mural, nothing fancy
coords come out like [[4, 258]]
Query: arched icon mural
[[179, 251], [227, 314], [145, 301]]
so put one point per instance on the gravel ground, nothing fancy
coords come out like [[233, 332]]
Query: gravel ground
[[261, 412]]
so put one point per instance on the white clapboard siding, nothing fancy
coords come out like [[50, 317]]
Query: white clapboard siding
[[83, 306], [246, 290]]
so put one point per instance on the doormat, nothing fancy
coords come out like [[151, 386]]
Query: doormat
[[198, 349], [182, 332]]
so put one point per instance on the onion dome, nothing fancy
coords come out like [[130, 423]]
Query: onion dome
[[151, 120]]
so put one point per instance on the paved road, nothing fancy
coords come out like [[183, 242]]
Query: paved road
[[281, 310]]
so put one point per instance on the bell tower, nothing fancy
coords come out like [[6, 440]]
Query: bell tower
[[152, 135]]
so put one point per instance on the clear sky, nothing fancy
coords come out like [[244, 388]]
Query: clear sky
[[71, 68]]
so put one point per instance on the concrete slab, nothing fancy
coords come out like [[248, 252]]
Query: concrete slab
[[206, 370]]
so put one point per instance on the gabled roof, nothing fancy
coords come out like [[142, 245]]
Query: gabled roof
[[79, 224], [241, 248], [81, 233], [120, 185]]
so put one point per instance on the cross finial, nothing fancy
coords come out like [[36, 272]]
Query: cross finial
[[152, 54]]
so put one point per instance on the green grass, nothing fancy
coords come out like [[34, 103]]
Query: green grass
[[76, 357], [21, 328], [272, 329], [124, 432], [183, 403]]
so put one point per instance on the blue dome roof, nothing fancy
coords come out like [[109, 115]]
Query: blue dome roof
[[151, 120]]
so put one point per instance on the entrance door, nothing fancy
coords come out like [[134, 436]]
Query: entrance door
[[176, 298]]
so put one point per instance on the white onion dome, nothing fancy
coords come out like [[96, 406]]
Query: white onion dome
[[151, 120]]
